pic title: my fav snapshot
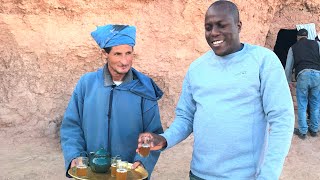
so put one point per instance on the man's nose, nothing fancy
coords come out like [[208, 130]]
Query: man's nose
[[124, 59], [214, 31]]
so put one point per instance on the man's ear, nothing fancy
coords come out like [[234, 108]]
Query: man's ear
[[104, 54], [239, 26]]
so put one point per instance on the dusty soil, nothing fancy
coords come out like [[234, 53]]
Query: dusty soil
[[37, 159]]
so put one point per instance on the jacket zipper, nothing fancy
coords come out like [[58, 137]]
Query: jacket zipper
[[109, 117]]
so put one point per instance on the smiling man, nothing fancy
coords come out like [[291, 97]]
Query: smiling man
[[109, 108], [236, 101]]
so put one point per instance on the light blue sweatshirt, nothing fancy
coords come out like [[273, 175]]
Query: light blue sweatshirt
[[240, 109]]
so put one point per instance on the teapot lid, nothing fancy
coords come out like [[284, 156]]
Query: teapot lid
[[102, 152]]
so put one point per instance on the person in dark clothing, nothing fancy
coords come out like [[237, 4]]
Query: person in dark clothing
[[304, 57]]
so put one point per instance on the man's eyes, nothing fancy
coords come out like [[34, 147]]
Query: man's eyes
[[208, 28], [220, 26], [119, 54]]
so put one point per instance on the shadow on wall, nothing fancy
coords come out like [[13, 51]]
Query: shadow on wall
[[285, 39], [53, 128]]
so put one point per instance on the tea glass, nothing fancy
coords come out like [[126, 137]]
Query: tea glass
[[122, 171], [82, 166], [144, 150], [114, 162]]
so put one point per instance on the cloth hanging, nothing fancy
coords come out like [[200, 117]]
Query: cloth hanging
[[311, 28]]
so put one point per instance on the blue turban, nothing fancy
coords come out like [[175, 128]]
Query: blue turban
[[114, 35]]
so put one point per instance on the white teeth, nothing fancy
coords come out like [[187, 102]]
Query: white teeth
[[217, 42]]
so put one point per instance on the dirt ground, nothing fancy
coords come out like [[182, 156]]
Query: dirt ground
[[39, 159]]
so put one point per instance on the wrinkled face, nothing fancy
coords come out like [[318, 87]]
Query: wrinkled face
[[120, 60], [222, 32]]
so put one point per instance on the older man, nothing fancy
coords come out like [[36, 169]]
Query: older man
[[236, 101], [110, 107], [304, 58]]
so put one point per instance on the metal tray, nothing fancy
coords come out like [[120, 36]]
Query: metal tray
[[133, 174]]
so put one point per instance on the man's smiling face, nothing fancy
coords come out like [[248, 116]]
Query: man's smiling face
[[222, 31]]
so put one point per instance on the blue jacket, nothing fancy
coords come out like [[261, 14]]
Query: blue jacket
[[132, 108]]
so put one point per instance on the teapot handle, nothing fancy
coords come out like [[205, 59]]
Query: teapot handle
[[84, 152]]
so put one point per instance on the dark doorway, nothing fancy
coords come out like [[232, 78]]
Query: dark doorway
[[285, 39]]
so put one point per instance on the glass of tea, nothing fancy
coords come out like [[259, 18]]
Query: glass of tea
[[122, 171], [144, 150], [114, 162], [82, 166]]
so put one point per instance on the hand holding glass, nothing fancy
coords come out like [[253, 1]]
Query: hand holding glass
[[144, 150]]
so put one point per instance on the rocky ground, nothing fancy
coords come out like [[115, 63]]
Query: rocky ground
[[37, 159]]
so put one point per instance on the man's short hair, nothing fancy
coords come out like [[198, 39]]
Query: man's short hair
[[107, 49], [228, 6], [302, 32]]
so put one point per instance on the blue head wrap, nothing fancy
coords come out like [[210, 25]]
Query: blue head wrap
[[114, 35]]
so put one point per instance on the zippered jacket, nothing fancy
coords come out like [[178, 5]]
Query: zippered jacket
[[97, 107]]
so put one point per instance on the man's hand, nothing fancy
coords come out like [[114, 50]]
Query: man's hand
[[73, 163], [157, 142], [291, 86], [136, 164]]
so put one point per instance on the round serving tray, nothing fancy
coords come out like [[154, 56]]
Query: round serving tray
[[133, 174]]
